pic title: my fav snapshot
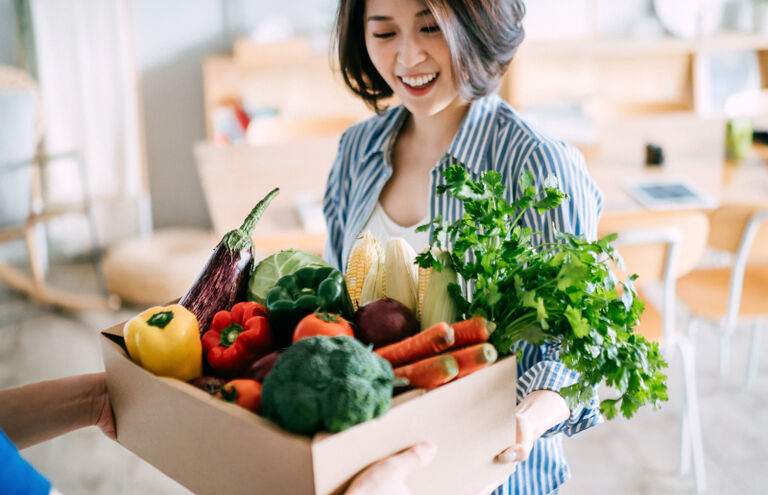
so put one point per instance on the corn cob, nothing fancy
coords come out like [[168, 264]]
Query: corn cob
[[435, 303], [373, 283], [364, 255], [400, 280]]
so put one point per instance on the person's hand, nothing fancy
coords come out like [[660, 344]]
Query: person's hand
[[525, 436], [101, 408], [537, 413], [387, 477]]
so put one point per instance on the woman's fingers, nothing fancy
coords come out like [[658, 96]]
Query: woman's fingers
[[524, 442], [387, 477], [409, 460]]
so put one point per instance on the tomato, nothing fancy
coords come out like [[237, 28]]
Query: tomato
[[322, 324], [243, 392]]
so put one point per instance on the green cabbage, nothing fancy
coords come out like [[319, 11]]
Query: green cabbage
[[270, 269]]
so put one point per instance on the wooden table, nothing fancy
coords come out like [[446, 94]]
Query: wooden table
[[694, 151]]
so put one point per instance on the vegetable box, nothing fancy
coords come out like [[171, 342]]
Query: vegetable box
[[213, 447]]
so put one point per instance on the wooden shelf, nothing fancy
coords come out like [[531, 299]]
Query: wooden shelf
[[660, 46]]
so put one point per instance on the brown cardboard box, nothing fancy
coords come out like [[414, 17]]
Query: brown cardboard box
[[213, 447]]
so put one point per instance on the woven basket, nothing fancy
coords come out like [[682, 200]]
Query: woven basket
[[157, 268]]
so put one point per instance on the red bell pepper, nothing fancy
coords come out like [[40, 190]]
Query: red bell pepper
[[237, 338]]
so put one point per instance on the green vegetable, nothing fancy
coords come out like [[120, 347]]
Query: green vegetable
[[303, 292], [270, 269], [329, 383], [556, 291]]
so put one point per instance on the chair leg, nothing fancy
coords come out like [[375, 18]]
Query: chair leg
[[685, 442], [692, 416], [96, 251], [725, 352], [753, 356]]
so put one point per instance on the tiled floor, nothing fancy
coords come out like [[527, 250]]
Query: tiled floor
[[620, 457]]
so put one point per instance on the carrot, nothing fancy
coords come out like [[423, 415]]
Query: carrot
[[431, 341], [430, 372], [472, 331], [474, 358]]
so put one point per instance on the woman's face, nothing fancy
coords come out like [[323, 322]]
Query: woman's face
[[409, 51]]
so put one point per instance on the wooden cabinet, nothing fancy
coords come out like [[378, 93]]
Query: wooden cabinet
[[289, 81], [629, 76]]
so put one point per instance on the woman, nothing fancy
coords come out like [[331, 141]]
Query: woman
[[444, 59]]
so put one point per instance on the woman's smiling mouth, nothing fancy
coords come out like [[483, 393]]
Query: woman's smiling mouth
[[419, 85]]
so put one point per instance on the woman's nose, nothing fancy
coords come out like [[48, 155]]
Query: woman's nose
[[410, 52]]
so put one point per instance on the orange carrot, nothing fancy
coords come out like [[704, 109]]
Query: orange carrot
[[431, 341], [472, 331], [430, 372], [474, 358]]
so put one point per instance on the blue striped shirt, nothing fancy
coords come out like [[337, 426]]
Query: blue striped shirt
[[491, 137]]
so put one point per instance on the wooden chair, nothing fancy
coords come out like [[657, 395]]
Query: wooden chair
[[738, 293], [21, 153], [659, 248]]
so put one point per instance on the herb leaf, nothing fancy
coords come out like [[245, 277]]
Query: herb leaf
[[562, 291]]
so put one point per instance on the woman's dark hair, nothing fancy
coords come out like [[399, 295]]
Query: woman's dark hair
[[482, 35]]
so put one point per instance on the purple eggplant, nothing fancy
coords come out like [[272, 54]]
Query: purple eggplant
[[224, 279]]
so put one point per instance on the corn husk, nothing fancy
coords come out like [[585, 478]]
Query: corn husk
[[400, 279], [435, 303]]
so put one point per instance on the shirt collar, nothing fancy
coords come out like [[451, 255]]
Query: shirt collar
[[468, 146], [471, 142], [389, 126]]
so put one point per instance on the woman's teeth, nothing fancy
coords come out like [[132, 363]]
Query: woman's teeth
[[416, 82]]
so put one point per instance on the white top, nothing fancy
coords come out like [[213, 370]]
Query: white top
[[384, 228]]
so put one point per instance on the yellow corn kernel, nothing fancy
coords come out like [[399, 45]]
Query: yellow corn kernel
[[365, 253], [401, 273], [424, 274]]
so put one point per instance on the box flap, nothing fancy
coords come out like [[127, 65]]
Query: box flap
[[209, 446], [470, 420]]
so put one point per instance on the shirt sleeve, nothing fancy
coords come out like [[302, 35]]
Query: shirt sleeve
[[334, 203], [17, 476], [579, 214], [550, 374]]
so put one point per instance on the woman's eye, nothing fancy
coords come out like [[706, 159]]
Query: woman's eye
[[431, 29], [383, 35]]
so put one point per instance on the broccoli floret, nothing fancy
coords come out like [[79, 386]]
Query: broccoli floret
[[328, 383]]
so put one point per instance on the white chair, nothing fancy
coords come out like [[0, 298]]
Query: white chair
[[23, 205], [660, 247], [737, 294]]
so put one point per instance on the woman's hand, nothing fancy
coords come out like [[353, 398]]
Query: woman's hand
[[102, 409], [537, 413], [387, 477]]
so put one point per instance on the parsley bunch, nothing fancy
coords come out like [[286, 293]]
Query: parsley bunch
[[562, 291]]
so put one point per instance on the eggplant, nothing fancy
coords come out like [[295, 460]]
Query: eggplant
[[224, 279]]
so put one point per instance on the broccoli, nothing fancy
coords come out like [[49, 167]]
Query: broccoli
[[329, 383]]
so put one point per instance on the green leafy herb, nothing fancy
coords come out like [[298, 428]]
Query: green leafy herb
[[562, 291]]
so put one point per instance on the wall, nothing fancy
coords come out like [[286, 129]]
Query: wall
[[172, 39], [8, 47]]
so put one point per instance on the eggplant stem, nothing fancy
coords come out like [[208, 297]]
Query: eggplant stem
[[240, 238]]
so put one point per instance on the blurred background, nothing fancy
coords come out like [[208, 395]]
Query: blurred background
[[134, 133]]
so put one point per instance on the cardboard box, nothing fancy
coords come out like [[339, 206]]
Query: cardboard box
[[214, 447]]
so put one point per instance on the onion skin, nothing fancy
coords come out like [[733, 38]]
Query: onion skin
[[384, 321]]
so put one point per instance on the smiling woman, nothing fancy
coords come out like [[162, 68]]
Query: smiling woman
[[444, 59], [481, 39]]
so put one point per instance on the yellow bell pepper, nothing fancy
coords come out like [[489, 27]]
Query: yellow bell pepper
[[166, 341]]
